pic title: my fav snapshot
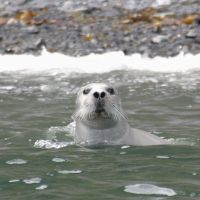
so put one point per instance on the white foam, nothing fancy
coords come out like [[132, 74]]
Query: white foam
[[41, 187], [125, 146], [149, 189], [162, 157], [70, 128], [97, 63], [50, 144], [14, 181], [58, 160], [7, 87], [69, 171], [122, 153], [16, 161], [32, 180]]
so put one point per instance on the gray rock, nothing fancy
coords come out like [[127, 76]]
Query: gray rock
[[159, 38], [197, 20], [197, 39], [86, 29], [19, 2], [33, 45], [191, 33], [103, 20], [32, 30], [12, 21], [14, 49], [39, 43], [73, 6]]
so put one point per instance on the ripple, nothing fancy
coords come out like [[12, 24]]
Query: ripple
[[50, 144], [69, 171], [32, 180], [149, 189], [16, 161]]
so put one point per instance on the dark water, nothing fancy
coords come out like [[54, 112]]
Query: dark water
[[35, 110]]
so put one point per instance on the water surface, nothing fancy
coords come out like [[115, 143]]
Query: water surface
[[39, 160]]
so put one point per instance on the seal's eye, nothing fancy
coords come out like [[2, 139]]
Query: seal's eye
[[86, 91], [111, 91]]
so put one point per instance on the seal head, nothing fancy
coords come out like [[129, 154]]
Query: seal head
[[98, 102]]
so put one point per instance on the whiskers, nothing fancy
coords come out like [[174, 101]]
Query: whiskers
[[119, 112], [82, 113], [88, 112], [116, 111]]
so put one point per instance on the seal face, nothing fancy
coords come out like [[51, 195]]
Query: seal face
[[100, 119], [98, 101]]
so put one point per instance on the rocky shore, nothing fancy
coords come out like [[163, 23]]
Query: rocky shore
[[79, 29]]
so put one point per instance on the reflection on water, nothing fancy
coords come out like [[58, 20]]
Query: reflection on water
[[40, 160]]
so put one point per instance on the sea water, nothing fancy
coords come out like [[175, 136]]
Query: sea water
[[39, 159]]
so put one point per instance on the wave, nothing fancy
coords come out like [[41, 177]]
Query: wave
[[97, 63]]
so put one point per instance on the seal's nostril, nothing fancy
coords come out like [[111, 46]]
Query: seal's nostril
[[96, 95], [103, 94]]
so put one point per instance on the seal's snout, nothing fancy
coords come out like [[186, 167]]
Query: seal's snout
[[99, 102], [96, 95], [99, 95]]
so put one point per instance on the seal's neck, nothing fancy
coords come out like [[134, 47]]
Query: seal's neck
[[100, 131], [99, 123]]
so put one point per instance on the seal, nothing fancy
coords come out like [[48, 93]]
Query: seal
[[100, 119]]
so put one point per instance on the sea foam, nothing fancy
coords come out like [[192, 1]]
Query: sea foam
[[97, 63], [149, 189]]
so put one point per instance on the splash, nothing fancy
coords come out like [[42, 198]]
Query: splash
[[97, 63], [50, 144]]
